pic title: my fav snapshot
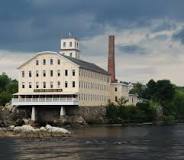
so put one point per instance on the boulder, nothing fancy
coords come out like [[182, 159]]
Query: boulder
[[43, 129], [77, 120], [24, 128], [56, 129]]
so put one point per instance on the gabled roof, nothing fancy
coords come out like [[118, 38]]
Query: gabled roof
[[87, 65], [81, 63], [39, 53]]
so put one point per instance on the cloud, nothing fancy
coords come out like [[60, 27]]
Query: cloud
[[149, 34], [9, 61], [179, 36], [31, 25], [131, 49]]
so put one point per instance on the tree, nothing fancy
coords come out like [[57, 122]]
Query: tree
[[150, 89], [122, 101], [5, 97], [138, 89], [164, 92], [7, 88], [4, 81]]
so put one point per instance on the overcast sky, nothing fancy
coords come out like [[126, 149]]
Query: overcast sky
[[149, 34]]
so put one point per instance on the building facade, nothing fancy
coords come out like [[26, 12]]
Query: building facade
[[62, 79]]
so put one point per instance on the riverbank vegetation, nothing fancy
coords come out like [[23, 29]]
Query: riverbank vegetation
[[159, 101], [7, 88]]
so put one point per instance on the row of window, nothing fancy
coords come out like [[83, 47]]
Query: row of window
[[92, 97], [51, 62], [71, 44], [46, 85], [86, 73], [44, 73], [92, 85]]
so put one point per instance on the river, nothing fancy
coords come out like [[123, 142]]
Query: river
[[96, 143]]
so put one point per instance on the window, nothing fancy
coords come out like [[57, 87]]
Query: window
[[66, 72], [37, 74], [44, 61], [44, 84], [37, 62], [66, 84], [59, 62], [116, 89], [51, 73], [30, 85], [51, 61], [30, 74], [23, 74], [23, 85], [116, 98], [73, 72], [70, 44], [59, 84], [73, 84], [37, 84], [44, 73], [71, 54], [51, 85], [58, 73], [64, 44]]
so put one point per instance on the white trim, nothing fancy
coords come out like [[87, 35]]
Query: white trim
[[44, 101], [38, 53], [45, 93], [47, 52]]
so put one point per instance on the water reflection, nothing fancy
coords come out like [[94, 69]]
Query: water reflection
[[94, 143], [7, 151]]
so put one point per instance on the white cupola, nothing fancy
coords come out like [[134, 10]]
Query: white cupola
[[70, 47]]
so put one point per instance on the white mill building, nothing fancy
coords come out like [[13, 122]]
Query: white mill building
[[61, 79]]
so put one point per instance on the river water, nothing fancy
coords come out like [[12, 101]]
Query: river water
[[96, 143]]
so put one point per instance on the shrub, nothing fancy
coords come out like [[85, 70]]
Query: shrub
[[170, 119], [143, 112]]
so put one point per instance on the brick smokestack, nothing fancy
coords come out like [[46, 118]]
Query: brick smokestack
[[111, 58]]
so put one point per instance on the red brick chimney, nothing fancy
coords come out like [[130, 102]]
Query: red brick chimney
[[111, 58]]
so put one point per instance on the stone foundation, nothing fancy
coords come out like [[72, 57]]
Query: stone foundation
[[90, 114], [51, 114]]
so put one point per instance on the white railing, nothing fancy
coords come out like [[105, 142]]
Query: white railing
[[44, 101]]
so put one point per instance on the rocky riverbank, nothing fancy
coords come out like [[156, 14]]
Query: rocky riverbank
[[27, 131], [76, 117], [13, 123]]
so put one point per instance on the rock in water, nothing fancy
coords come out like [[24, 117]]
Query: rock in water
[[24, 128], [56, 129], [43, 129]]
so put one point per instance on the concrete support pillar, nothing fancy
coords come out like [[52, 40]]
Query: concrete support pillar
[[62, 111], [33, 113]]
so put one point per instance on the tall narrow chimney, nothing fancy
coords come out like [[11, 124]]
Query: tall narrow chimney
[[111, 58]]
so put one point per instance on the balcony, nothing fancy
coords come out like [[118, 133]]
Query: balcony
[[44, 101]]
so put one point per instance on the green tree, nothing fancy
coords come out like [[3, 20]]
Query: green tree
[[7, 88], [122, 101], [165, 91], [4, 81], [150, 89], [138, 89]]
